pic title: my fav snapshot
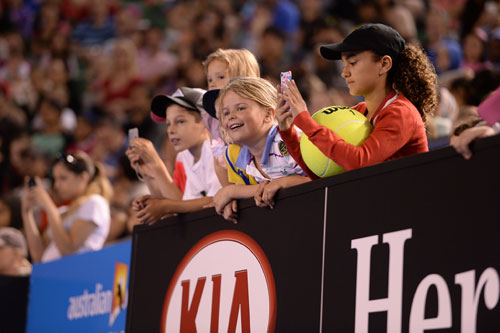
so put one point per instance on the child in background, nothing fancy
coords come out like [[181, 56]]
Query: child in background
[[182, 114], [398, 84], [221, 66], [246, 109]]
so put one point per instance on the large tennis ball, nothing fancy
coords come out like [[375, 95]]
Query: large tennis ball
[[349, 124]]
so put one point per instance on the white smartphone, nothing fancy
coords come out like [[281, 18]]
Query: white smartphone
[[133, 133]]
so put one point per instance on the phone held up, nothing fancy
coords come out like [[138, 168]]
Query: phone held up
[[133, 133], [283, 77], [31, 182]]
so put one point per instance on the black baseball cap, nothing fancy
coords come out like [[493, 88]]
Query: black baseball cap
[[190, 98], [209, 99], [376, 37]]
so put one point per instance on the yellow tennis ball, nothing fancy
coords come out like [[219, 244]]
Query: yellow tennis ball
[[349, 124]]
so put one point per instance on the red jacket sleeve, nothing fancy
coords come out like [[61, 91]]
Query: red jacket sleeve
[[292, 141], [394, 128]]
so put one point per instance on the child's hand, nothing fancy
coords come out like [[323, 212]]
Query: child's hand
[[266, 191], [230, 211], [140, 203], [461, 143], [294, 99], [264, 197], [36, 195], [283, 113], [222, 198], [143, 157], [154, 210]]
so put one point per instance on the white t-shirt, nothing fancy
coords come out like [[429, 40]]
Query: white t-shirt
[[94, 210], [201, 179]]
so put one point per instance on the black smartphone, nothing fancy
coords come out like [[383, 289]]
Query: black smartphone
[[31, 182]]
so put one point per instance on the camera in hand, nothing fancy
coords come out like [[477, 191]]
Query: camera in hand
[[31, 182]]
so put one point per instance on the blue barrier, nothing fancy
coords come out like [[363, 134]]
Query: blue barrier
[[81, 293]]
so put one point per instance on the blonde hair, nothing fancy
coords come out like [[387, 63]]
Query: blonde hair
[[253, 88], [240, 62], [128, 47], [98, 182]]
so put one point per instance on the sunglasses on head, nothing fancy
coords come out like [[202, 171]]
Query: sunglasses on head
[[73, 163]]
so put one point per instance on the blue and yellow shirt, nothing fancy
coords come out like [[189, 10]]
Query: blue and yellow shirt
[[276, 162]]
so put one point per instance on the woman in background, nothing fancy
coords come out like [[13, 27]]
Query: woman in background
[[82, 223]]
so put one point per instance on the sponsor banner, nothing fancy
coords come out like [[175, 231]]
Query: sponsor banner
[[203, 275], [405, 246], [81, 293], [225, 282]]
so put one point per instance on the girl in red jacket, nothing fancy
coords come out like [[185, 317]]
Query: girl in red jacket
[[398, 84]]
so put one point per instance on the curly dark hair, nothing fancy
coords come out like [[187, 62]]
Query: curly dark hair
[[414, 76]]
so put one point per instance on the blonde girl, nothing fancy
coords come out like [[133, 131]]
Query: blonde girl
[[246, 109]]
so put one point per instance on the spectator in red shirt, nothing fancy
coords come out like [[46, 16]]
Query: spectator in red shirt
[[398, 84]]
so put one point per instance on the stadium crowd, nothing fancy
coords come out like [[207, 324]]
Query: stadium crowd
[[78, 74]]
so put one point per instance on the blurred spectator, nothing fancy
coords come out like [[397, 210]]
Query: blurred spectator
[[21, 15], [126, 188], [399, 17], [5, 213], [50, 138], [15, 73], [444, 52], [311, 19], [110, 145], [15, 165], [114, 88], [483, 83], [106, 59], [445, 115], [153, 12], [82, 224], [10, 114], [67, 66], [127, 20], [285, 16], [138, 115], [474, 47], [83, 135], [271, 57], [46, 26], [13, 253], [493, 48], [98, 28], [327, 71], [10, 211], [153, 62]]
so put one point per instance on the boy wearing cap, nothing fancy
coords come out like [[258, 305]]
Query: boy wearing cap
[[398, 84], [13, 253], [182, 114]]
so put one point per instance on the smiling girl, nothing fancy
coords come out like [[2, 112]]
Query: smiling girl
[[246, 109], [398, 84]]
